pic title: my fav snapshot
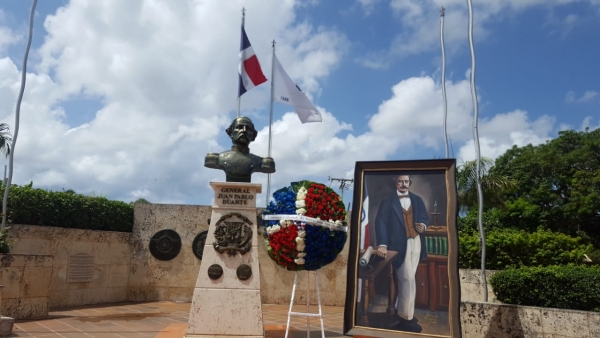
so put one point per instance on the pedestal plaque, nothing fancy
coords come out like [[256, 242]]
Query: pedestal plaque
[[229, 305]]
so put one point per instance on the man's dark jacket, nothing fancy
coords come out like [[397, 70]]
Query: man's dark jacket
[[390, 228]]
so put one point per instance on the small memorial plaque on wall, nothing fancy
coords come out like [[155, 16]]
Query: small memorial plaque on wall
[[81, 268]]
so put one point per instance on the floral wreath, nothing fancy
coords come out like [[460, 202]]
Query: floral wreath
[[305, 226]]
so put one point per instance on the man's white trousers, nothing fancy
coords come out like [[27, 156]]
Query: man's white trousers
[[407, 287]]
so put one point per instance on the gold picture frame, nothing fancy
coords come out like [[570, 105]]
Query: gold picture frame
[[403, 278]]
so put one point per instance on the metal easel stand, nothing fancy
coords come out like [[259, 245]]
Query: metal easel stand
[[307, 313]]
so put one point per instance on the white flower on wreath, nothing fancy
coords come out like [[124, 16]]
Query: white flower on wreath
[[273, 229], [301, 195], [285, 223], [300, 211], [299, 261], [300, 203], [301, 233], [301, 254], [300, 244]]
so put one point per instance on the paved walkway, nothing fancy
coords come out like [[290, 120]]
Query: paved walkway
[[162, 320]]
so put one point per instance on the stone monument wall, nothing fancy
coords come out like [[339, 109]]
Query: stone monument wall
[[151, 279], [502, 320], [26, 279], [123, 268], [89, 267]]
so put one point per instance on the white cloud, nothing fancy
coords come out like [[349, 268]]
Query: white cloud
[[587, 124], [420, 22], [501, 132], [367, 6], [8, 36], [586, 97], [165, 75]]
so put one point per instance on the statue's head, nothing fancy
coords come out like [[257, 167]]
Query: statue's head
[[242, 131]]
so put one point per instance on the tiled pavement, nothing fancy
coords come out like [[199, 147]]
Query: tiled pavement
[[163, 320]]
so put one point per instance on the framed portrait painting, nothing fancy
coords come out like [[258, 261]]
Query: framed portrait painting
[[403, 261]]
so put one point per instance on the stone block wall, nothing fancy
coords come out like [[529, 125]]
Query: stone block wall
[[500, 320], [125, 269], [26, 280], [151, 279], [471, 286], [111, 252]]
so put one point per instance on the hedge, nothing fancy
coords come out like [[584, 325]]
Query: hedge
[[565, 287], [28, 205], [507, 248]]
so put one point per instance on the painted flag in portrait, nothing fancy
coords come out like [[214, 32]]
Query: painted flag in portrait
[[364, 222], [251, 75], [364, 233]]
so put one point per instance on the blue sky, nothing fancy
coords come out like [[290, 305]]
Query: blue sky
[[124, 99]]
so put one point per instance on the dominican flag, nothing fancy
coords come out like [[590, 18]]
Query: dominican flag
[[364, 222], [249, 69]]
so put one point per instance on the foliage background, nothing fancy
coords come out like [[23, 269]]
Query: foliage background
[[28, 205]]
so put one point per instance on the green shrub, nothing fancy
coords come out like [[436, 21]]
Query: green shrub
[[507, 248], [566, 287], [4, 245], [27, 205]]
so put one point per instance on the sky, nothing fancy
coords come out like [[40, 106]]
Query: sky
[[124, 99]]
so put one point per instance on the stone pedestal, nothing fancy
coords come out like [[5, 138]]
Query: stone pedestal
[[228, 304]]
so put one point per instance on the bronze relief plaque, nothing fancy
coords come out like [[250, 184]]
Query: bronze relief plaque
[[215, 271], [244, 272], [233, 234], [198, 244], [165, 245]]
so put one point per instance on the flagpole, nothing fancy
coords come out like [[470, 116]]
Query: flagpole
[[477, 153], [239, 99], [444, 78], [271, 120]]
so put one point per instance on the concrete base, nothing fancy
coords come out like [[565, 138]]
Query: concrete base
[[229, 306], [6, 326]]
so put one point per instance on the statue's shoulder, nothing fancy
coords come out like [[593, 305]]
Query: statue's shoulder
[[255, 157], [212, 160], [227, 154]]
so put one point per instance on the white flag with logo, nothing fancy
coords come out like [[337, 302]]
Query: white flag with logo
[[286, 91]]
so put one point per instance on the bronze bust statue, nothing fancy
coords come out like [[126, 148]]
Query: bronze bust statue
[[238, 163]]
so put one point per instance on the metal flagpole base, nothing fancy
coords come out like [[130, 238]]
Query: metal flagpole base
[[306, 314]]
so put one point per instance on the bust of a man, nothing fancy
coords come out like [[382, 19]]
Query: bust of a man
[[238, 163]]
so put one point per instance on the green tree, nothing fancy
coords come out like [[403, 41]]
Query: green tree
[[493, 185], [557, 184], [5, 139]]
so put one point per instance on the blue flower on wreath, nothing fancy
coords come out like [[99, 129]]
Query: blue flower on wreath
[[284, 203]]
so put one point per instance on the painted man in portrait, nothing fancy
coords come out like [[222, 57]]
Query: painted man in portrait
[[399, 226]]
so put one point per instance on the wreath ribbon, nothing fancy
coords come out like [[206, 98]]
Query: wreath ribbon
[[310, 220]]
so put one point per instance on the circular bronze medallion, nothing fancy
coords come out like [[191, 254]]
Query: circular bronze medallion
[[198, 244], [243, 272], [165, 245], [215, 271]]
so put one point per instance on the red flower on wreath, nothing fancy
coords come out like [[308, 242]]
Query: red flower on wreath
[[283, 243]]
